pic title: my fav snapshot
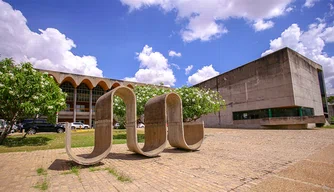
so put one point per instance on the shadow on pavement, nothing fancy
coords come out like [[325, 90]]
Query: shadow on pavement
[[65, 165], [124, 156]]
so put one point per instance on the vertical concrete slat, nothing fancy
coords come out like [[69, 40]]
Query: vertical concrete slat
[[90, 106], [75, 105]]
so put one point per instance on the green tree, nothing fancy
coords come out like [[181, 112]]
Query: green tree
[[330, 99], [25, 92], [195, 101]]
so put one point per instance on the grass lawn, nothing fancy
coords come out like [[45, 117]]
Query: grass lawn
[[329, 127], [44, 141]]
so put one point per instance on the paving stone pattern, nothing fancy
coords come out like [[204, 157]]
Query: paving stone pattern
[[228, 160]]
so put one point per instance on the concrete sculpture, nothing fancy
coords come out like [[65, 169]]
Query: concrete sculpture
[[159, 111]]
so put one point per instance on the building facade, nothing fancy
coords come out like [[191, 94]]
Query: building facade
[[82, 94], [282, 89]]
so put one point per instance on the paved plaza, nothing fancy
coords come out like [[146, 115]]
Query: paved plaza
[[229, 160]]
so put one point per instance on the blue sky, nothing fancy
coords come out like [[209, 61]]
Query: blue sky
[[133, 40]]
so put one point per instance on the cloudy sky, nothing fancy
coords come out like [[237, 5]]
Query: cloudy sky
[[177, 42]]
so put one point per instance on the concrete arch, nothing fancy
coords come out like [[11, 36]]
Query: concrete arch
[[103, 84], [130, 85], [53, 74], [115, 84], [50, 75], [88, 83], [69, 79]]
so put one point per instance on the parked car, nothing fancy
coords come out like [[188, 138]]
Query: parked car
[[116, 125], [141, 125], [79, 125], [23, 122], [62, 123], [41, 125], [4, 124]]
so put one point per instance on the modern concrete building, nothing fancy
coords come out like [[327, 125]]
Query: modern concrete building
[[82, 94], [282, 89]]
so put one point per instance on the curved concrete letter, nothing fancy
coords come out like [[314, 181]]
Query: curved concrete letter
[[159, 111], [167, 110]]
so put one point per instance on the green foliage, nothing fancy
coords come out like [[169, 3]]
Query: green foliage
[[93, 169], [25, 92], [42, 186], [73, 170], [330, 99], [329, 126], [41, 171], [195, 101], [120, 176]]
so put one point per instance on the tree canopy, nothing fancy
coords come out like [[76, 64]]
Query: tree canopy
[[26, 92], [195, 101], [330, 99]]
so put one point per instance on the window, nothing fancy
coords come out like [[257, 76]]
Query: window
[[273, 112], [82, 93], [68, 88], [97, 93], [285, 112], [254, 114], [80, 108], [307, 111], [68, 107]]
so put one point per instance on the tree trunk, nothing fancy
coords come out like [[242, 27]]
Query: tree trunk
[[3, 135], [7, 130], [25, 134], [26, 131]]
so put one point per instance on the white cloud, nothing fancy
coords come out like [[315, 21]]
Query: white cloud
[[153, 69], [310, 3], [176, 66], [204, 18], [289, 9], [174, 54], [202, 74], [310, 43], [203, 29], [49, 49], [261, 25], [328, 35], [188, 69]]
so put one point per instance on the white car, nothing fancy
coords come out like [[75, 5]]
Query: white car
[[79, 125], [141, 125]]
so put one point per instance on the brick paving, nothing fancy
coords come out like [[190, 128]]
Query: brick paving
[[229, 160]]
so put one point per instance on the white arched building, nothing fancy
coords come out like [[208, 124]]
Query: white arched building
[[82, 94]]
